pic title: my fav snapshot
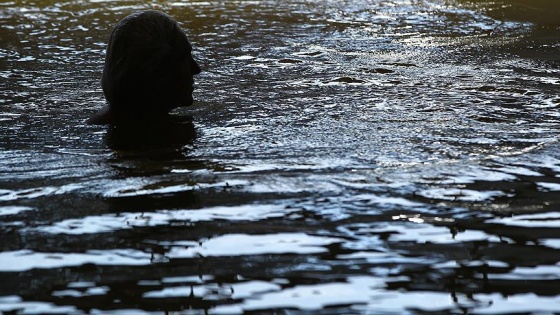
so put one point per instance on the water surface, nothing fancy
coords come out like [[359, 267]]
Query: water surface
[[356, 157]]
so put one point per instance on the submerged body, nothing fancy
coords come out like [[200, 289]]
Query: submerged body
[[148, 69]]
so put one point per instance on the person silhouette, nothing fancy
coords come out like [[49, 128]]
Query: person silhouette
[[148, 70]]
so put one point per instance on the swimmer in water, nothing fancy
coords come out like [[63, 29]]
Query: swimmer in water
[[148, 70]]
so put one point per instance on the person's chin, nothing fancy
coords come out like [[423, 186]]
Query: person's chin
[[189, 100]]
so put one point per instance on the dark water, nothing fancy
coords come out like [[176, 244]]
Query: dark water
[[345, 157]]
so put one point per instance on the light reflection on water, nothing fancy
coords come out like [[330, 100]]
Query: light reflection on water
[[344, 157]]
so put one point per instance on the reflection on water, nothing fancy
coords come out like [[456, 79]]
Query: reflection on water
[[346, 157], [158, 134]]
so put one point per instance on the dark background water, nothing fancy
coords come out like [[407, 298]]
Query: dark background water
[[344, 157]]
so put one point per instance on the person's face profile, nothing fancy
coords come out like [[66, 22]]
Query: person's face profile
[[188, 69]]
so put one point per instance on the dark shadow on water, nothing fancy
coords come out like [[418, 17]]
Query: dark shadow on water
[[540, 12], [172, 133], [152, 149]]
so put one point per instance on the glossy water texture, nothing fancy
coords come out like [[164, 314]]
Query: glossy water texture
[[355, 157]]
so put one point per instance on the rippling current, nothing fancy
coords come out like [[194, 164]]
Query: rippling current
[[344, 157]]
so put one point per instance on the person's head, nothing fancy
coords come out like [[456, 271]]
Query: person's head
[[148, 69]]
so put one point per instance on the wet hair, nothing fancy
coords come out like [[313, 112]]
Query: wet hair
[[148, 67]]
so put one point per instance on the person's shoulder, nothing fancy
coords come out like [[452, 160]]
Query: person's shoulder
[[103, 117]]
